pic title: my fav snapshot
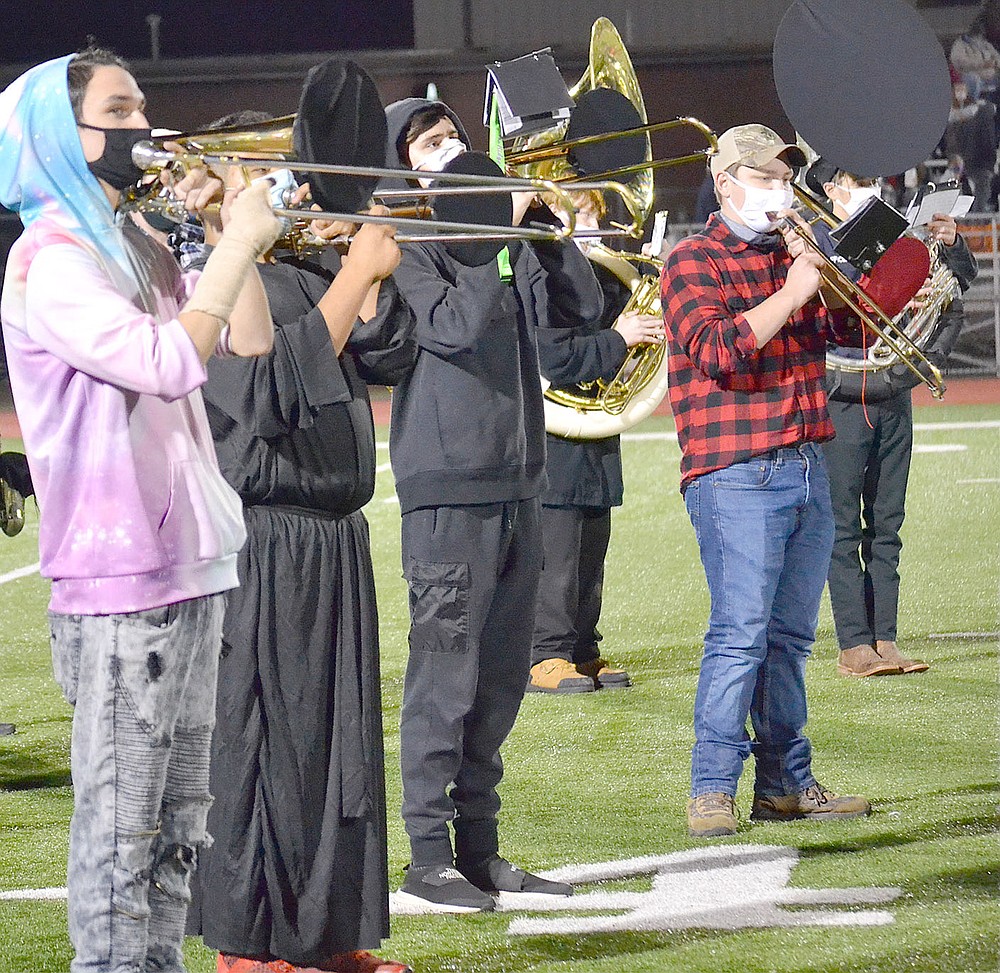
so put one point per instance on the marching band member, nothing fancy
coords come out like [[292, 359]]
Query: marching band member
[[467, 444], [584, 483], [297, 874], [107, 344], [869, 464], [746, 343]]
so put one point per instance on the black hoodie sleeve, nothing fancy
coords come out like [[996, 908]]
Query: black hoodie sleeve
[[384, 347], [961, 262], [454, 306], [574, 296]]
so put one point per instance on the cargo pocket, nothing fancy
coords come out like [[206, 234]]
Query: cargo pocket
[[439, 606]]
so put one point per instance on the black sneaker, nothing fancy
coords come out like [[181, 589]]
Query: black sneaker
[[496, 874], [443, 888]]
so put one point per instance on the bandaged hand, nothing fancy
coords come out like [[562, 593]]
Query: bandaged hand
[[251, 229], [251, 222]]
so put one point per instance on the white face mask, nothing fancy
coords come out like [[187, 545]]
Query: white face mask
[[858, 197], [761, 205], [584, 221], [440, 157], [280, 186]]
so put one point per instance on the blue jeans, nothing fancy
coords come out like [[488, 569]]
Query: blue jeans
[[143, 689], [765, 531]]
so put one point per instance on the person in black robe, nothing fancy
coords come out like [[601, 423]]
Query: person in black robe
[[297, 873]]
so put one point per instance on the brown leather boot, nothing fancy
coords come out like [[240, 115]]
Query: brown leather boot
[[605, 675], [711, 815], [815, 803], [889, 652], [558, 676], [863, 660]]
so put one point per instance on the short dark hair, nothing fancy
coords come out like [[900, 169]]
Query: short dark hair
[[420, 121], [248, 116], [81, 70]]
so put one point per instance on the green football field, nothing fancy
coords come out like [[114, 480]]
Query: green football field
[[595, 782]]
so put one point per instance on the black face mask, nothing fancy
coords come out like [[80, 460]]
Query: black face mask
[[115, 166]]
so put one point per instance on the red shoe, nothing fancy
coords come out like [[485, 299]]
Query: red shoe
[[363, 961], [243, 964]]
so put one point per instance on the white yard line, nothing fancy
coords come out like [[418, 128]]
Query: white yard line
[[32, 894], [20, 573], [935, 426]]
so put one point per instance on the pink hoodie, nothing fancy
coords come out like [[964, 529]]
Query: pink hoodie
[[134, 511]]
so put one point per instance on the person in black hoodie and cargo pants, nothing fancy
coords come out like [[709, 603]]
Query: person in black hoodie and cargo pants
[[467, 445]]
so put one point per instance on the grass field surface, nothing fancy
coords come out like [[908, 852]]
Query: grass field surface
[[603, 777]]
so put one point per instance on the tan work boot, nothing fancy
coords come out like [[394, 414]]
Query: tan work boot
[[711, 815], [863, 660], [558, 676], [604, 675], [889, 652], [814, 803]]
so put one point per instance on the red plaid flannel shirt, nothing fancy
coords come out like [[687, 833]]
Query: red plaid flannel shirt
[[730, 399]]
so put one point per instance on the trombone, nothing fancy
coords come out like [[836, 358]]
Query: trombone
[[234, 147], [863, 306]]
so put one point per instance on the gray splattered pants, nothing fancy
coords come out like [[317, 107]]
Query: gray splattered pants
[[143, 688]]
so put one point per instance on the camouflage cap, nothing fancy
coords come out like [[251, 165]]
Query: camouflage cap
[[754, 146]]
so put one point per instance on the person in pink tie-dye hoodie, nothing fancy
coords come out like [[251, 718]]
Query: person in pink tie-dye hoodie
[[107, 344]]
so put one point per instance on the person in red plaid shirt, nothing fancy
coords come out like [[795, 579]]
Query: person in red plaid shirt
[[746, 337]]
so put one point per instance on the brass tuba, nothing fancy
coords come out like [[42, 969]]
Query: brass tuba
[[598, 409], [556, 155], [11, 509]]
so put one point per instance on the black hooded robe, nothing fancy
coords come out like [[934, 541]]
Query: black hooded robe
[[298, 866]]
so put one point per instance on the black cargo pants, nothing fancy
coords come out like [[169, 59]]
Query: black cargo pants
[[473, 579]]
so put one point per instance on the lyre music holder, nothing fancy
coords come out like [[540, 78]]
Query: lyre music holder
[[531, 94], [868, 234]]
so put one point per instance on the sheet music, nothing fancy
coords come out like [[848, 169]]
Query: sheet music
[[951, 201]]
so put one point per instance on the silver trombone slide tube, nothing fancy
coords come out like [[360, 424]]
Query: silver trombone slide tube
[[444, 232], [147, 156]]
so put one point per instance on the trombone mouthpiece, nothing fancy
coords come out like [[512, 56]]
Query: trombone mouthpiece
[[146, 155]]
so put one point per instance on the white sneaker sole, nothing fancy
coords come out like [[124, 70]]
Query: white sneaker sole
[[416, 904]]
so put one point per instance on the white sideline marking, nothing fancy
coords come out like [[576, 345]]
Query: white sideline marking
[[964, 635], [987, 479], [917, 427], [719, 887], [940, 448], [30, 895], [633, 437], [20, 573]]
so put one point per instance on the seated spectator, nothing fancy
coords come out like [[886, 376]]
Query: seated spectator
[[971, 136], [976, 59]]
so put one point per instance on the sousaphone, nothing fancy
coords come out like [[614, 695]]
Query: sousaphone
[[609, 104]]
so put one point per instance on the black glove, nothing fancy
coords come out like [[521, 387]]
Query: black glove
[[14, 470]]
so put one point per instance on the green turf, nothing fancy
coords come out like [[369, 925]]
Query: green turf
[[603, 776]]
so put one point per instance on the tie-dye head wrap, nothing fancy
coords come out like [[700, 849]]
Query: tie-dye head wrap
[[43, 172]]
